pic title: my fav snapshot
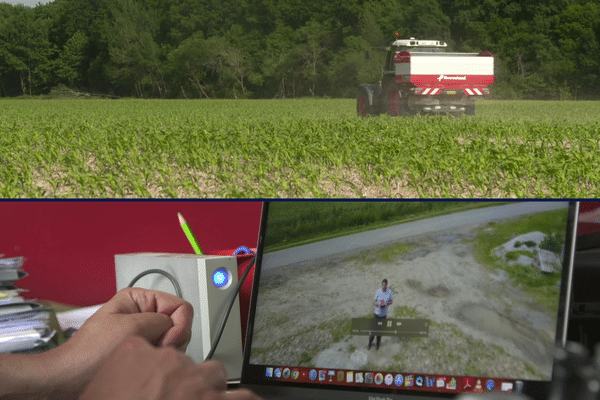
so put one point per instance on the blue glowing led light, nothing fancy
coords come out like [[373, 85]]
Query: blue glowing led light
[[220, 277]]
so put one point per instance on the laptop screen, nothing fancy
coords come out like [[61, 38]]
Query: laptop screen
[[408, 299]]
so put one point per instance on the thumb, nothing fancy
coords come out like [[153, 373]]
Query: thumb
[[151, 325]]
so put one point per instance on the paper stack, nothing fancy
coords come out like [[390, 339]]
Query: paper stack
[[24, 324]]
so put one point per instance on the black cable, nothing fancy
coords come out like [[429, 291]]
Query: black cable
[[229, 307], [161, 272]]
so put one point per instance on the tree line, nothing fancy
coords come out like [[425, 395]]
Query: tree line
[[287, 48]]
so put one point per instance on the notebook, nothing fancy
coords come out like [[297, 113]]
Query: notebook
[[382, 300]]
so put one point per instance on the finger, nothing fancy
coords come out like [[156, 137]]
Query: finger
[[241, 394], [214, 374], [182, 315], [177, 336], [132, 300], [180, 334], [150, 325], [120, 303], [154, 300], [136, 300], [179, 310]]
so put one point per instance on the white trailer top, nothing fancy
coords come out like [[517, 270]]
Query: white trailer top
[[448, 65]]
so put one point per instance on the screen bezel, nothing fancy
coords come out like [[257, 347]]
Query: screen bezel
[[281, 389]]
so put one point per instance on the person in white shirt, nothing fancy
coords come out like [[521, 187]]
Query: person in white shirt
[[383, 299]]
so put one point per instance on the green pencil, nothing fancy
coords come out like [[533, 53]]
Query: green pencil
[[190, 235]]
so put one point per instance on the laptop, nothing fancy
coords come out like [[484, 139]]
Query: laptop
[[383, 300]]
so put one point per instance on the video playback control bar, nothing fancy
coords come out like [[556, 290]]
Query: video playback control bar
[[399, 327]]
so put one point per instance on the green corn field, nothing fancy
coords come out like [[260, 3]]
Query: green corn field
[[294, 148]]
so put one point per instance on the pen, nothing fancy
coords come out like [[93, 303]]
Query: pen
[[190, 235]]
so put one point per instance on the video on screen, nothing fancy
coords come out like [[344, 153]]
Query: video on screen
[[460, 288]]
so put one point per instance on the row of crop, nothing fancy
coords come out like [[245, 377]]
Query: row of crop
[[186, 150]]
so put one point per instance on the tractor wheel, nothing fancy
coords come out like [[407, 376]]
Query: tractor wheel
[[362, 103], [395, 104]]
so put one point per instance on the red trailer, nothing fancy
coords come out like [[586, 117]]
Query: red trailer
[[421, 77]]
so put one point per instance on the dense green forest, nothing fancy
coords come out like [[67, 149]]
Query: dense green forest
[[287, 48]]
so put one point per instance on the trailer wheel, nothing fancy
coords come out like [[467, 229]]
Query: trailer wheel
[[362, 103], [470, 110]]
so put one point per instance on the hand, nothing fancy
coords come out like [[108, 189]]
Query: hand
[[160, 318], [137, 370]]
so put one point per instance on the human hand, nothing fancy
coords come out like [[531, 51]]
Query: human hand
[[160, 318], [137, 370]]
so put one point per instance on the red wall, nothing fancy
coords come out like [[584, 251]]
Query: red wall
[[70, 245]]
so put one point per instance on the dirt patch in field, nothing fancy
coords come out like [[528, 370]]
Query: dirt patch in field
[[194, 183], [508, 142]]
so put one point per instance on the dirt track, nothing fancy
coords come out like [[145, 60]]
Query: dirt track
[[481, 324]]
